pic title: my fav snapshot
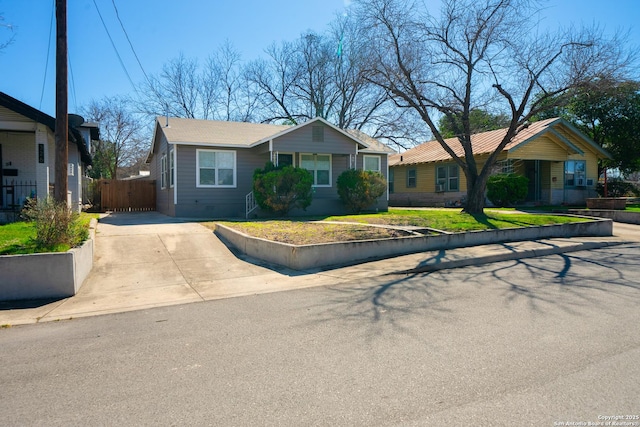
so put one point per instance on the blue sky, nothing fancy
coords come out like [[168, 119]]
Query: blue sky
[[161, 29]]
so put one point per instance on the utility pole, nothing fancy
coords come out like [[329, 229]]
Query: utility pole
[[62, 118]]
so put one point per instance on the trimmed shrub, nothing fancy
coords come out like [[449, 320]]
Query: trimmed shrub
[[279, 190], [360, 189], [55, 224], [507, 189]]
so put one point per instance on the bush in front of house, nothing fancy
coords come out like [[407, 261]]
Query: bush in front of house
[[617, 187], [507, 189], [360, 189], [279, 190], [55, 224]]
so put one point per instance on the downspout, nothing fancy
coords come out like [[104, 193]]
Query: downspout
[[355, 160], [175, 175], [271, 159], [387, 176]]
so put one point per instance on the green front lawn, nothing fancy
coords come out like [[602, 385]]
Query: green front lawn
[[455, 221], [17, 238], [303, 231]]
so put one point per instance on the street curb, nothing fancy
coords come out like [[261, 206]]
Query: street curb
[[508, 256]]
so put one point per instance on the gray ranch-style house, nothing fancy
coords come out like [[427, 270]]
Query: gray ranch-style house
[[204, 168], [27, 155]]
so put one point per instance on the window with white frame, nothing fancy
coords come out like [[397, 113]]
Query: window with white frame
[[447, 178], [504, 166], [371, 163], [320, 167], [171, 168], [163, 171], [575, 173], [215, 168]]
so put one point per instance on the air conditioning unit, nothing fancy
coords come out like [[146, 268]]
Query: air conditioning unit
[[439, 188]]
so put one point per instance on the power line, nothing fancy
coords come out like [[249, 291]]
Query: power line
[[130, 44], [114, 46], [46, 64], [73, 84], [151, 86]]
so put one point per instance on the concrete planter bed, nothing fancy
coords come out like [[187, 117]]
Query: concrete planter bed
[[302, 257], [612, 203], [46, 275]]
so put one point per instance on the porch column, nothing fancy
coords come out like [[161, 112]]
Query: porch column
[[42, 162]]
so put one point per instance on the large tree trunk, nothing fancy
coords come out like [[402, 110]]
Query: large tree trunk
[[475, 196]]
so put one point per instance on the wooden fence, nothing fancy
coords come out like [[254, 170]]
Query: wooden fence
[[127, 196]]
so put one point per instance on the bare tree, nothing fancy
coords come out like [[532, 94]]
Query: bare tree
[[476, 54], [228, 93], [218, 90], [121, 142], [6, 42], [324, 75]]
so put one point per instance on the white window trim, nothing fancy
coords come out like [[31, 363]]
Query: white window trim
[[313, 172], [172, 168], [364, 162], [163, 171], [235, 169]]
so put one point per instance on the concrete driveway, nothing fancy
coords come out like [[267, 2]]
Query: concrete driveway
[[145, 259]]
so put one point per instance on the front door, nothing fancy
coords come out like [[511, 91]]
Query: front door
[[532, 172]]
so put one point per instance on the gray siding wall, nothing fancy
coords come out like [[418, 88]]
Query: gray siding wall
[[215, 202], [164, 197], [205, 203], [300, 141]]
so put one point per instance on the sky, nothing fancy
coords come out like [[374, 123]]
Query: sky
[[160, 30]]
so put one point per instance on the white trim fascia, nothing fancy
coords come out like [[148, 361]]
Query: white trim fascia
[[153, 144], [205, 145]]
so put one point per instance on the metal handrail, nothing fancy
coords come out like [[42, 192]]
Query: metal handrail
[[250, 204]]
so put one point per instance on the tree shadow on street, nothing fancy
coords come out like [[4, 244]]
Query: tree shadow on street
[[573, 283]]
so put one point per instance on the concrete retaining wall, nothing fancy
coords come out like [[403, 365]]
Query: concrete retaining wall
[[302, 257], [618, 216], [46, 275]]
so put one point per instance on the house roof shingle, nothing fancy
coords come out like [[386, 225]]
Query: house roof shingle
[[196, 131], [245, 135]]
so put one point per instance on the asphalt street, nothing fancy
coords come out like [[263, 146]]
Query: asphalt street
[[534, 342]]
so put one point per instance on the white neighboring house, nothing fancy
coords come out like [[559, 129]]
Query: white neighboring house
[[27, 154]]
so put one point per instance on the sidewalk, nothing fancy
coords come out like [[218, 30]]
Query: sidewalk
[[148, 261]]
